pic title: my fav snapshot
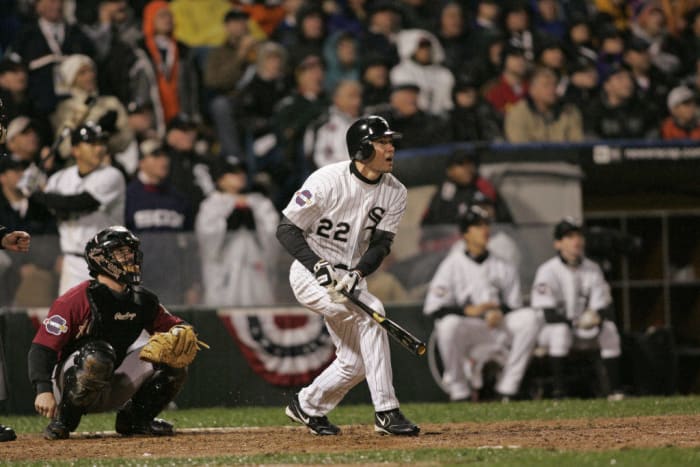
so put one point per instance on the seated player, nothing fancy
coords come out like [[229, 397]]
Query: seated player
[[87, 356]]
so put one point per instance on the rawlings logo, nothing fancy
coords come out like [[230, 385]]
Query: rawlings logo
[[303, 198], [124, 316], [55, 325]]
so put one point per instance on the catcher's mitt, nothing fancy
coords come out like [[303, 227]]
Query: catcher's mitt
[[176, 348]]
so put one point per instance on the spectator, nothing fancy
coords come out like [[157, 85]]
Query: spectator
[[224, 68], [286, 30], [582, 85], [326, 138], [236, 234], [473, 118], [341, 58], [485, 67], [485, 27], [690, 42], [650, 25], [512, 83], [551, 55], [159, 214], [113, 23], [652, 84], [517, 28], [579, 41], [22, 140], [42, 44], [619, 12], [683, 122], [256, 102], [612, 46], [420, 14], [376, 87], [384, 22], [347, 16], [308, 36], [13, 90], [267, 14], [618, 113], [576, 303], [549, 19], [421, 57], [189, 171], [140, 121], [85, 198], [419, 128], [457, 191], [174, 65], [453, 35], [541, 116], [84, 103], [292, 116], [16, 211]]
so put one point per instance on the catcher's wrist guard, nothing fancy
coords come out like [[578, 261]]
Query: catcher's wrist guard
[[176, 348]]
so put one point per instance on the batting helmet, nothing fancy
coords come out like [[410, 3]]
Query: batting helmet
[[566, 226], [474, 215], [361, 134], [88, 132], [103, 258]]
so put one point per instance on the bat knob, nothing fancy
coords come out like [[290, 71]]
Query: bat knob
[[420, 349]]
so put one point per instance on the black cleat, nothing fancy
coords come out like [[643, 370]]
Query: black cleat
[[393, 422], [127, 425], [7, 434], [56, 430], [316, 425]]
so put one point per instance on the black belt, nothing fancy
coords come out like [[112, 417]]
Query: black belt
[[342, 266]]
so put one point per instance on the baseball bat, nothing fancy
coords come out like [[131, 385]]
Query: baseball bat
[[402, 336]]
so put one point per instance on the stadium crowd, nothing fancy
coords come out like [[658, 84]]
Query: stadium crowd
[[206, 103]]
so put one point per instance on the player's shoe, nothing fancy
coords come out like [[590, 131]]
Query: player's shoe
[[316, 425], [128, 423], [56, 430], [393, 422], [7, 434]]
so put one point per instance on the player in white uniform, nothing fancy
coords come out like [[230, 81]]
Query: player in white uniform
[[339, 227], [475, 300], [86, 198], [575, 299]]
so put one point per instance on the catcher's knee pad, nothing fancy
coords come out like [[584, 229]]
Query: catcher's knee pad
[[94, 367]]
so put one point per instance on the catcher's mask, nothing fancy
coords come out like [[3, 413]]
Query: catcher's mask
[[115, 252]]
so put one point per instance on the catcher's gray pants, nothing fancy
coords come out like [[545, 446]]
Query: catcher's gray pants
[[127, 379]]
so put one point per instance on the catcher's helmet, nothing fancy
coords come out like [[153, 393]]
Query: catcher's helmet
[[103, 258], [566, 226], [89, 132], [361, 134], [474, 215]]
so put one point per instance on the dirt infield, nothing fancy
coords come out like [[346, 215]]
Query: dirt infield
[[591, 434]]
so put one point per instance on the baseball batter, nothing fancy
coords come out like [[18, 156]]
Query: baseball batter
[[85, 357], [339, 227], [86, 198], [475, 300], [575, 299]]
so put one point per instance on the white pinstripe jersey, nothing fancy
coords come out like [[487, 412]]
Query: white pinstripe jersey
[[338, 212], [573, 289], [105, 184], [461, 281]]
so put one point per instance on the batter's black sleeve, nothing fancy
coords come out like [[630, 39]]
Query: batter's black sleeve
[[82, 202], [553, 316], [41, 361], [379, 248], [292, 239]]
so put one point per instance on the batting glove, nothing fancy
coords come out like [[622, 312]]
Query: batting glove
[[349, 282], [325, 273]]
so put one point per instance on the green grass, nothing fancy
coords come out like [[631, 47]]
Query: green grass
[[422, 413]]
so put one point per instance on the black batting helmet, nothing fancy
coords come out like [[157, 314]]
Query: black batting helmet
[[474, 215], [361, 134], [565, 226], [101, 258], [88, 132]]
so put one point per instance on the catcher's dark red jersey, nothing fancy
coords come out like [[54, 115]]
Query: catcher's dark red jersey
[[92, 309]]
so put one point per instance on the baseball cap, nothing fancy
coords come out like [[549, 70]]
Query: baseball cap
[[309, 61], [474, 215], [9, 65], [227, 164], [89, 132], [17, 126], [612, 70], [182, 121], [679, 95], [151, 147], [638, 44], [236, 14], [565, 226], [405, 87]]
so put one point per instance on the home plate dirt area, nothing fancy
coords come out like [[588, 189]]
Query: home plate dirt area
[[579, 435]]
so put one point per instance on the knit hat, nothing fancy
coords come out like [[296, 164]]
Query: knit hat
[[70, 67]]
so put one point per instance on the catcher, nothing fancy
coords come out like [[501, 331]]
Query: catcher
[[88, 355]]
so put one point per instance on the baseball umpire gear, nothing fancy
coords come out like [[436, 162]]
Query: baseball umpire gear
[[103, 258], [176, 348], [566, 226], [361, 134], [88, 132], [474, 215]]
